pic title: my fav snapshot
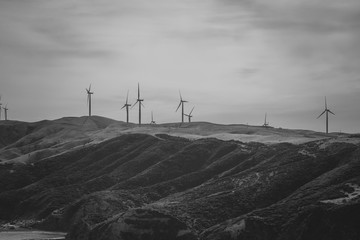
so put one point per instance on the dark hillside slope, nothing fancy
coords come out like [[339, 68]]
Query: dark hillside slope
[[140, 186], [264, 196], [22, 142], [11, 131], [67, 177]]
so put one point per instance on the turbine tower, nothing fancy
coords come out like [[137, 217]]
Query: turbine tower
[[326, 111], [139, 100], [182, 107], [126, 106], [5, 110], [0, 107], [89, 93], [152, 118], [189, 115], [266, 124]]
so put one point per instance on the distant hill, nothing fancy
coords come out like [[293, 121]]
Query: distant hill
[[30, 142], [97, 178]]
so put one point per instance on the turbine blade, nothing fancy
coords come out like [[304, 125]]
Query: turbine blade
[[138, 91], [191, 110], [142, 104], [181, 97], [331, 112], [325, 103], [127, 97], [321, 114], [90, 88], [134, 104], [178, 107], [123, 107]]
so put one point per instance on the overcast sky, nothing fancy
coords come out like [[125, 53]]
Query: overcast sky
[[233, 60]]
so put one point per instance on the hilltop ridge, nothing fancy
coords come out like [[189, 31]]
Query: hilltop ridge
[[50, 137]]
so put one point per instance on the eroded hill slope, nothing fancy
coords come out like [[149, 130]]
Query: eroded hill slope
[[159, 186]]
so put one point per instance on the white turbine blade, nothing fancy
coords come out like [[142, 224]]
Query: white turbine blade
[[142, 104], [138, 91], [331, 112], [134, 104], [191, 110], [127, 97], [178, 107], [325, 103], [321, 114], [90, 88]]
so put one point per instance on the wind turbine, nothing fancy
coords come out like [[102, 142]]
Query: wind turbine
[[5, 110], [266, 124], [326, 111], [89, 93], [189, 115], [127, 105], [182, 107], [139, 100], [0, 107], [152, 118]]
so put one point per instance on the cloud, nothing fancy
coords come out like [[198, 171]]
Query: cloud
[[249, 55]]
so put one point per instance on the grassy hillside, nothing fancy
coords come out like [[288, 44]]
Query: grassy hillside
[[102, 183]]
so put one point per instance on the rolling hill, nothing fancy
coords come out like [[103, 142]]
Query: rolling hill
[[98, 178]]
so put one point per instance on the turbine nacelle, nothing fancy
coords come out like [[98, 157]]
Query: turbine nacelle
[[189, 115], [326, 111], [5, 110], [139, 100], [266, 124], [89, 93], [152, 118], [181, 102], [127, 104]]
